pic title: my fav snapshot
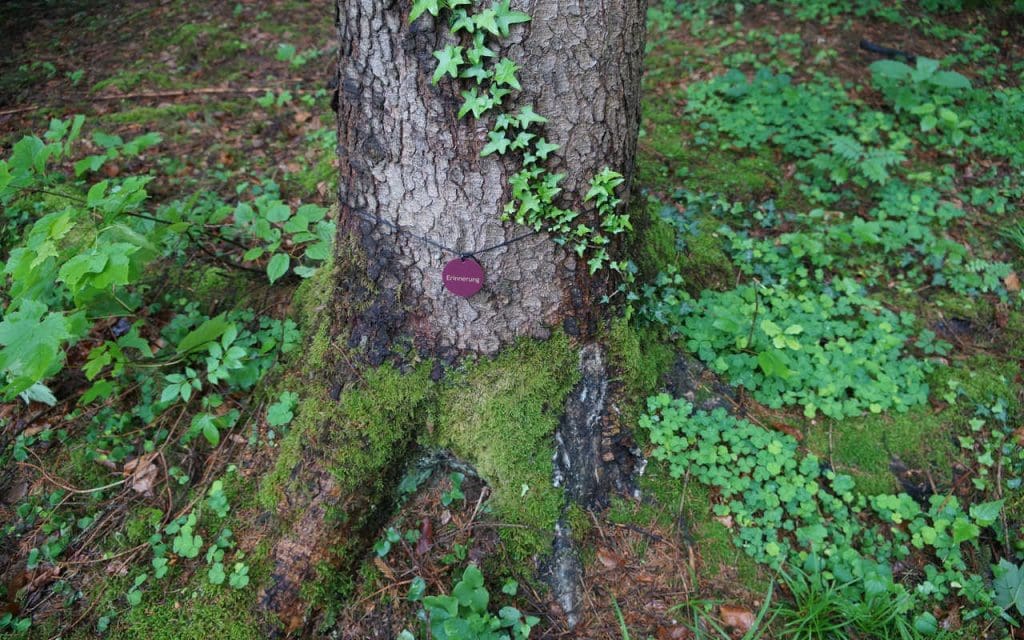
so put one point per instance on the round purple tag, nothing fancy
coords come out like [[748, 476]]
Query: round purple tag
[[463, 276]]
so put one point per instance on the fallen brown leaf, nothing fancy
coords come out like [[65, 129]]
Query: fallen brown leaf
[[738, 618], [608, 558], [676, 632], [142, 473], [1012, 282]]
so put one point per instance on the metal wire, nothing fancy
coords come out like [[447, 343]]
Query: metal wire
[[438, 245]]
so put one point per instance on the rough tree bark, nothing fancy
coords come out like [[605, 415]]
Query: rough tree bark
[[407, 159]]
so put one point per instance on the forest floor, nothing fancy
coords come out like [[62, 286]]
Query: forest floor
[[820, 368]]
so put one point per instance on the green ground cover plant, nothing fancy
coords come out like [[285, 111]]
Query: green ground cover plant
[[790, 510]]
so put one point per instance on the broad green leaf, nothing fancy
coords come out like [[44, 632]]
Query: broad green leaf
[[773, 364], [107, 141], [278, 266], [318, 251], [950, 80], [927, 66], [211, 433], [39, 392], [891, 69], [278, 212], [986, 513], [205, 333], [32, 339], [285, 52], [1009, 586]]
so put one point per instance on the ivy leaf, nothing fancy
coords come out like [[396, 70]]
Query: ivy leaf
[[477, 72], [419, 6], [505, 17], [505, 73], [527, 115], [544, 148], [479, 51], [498, 143], [448, 61], [522, 140], [462, 22], [486, 20], [277, 266], [476, 103]]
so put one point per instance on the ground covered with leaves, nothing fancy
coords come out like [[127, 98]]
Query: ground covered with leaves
[[819, 359]]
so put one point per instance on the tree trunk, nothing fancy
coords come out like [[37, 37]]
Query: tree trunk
[[407, 160], [412, 180]]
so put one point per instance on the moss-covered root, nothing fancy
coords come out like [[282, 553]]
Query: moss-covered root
[[500, 416]]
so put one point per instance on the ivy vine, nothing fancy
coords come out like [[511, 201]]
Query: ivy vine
[[535, 187]]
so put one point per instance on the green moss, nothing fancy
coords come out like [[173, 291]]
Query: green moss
[[700, 255], [704, 262], [641, 359], [579, 523], [864, 446], [142, 524], [128, 80], [378, 420], [654, 244], [500, 415], [667, 159], [199, 612], [952, 305], [980, 379]]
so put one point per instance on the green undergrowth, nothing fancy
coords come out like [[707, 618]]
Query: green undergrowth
[[864, 446], [640, 358], [197, 611], [791, 511], [500, 415], [665, 241], [682, 508]]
